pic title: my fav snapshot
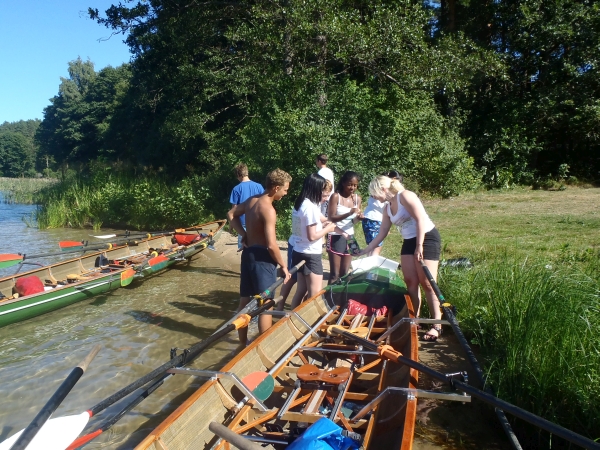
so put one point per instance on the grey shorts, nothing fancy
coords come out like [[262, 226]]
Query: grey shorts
[[312, 263]]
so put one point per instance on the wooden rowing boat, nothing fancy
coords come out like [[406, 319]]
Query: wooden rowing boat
[[284, 351], [77, 279]]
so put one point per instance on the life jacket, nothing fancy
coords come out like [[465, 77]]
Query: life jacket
[[187, 239], [29, 285]]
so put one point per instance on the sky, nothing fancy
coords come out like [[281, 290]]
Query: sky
[[37, 40]]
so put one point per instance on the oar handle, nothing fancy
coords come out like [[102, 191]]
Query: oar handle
[[83, 365], [232, 437], [42, 417]]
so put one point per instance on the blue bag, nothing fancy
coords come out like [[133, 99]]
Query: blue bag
[[323, 435]]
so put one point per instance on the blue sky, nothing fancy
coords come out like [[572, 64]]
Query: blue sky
[[38, 38]]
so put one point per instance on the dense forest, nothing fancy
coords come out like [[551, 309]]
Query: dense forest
[[452, 93], [19, 150]]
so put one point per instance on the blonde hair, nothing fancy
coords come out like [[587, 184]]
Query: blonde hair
[[277, 177], [241, 170], [381, 182], [328, 187]]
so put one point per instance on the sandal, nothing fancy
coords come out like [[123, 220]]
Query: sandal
[[432, 337]]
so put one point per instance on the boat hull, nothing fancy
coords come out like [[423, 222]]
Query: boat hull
[[23, 308], [392, 425]]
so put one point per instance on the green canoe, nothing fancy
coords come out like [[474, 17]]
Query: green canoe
[[78, 279]]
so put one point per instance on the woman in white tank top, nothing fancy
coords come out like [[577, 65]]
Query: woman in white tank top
[[422, 242]]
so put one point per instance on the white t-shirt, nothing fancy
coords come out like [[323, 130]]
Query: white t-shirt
[[327, 173], [374, 210], [308, 214]]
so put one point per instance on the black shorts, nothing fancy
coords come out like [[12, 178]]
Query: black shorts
[[312, 263], [337, 245], [432, 246], [258, 271]]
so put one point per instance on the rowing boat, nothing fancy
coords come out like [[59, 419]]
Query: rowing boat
[[316, 374], [77, 279]]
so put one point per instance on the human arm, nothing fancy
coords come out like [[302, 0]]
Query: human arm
[[386, 225], [359, 215], [270, 218], [325, 221], [233, 216], [415, 208]]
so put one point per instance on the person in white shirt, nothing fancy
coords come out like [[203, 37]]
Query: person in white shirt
[[326, 173], [308, 227], [422, 243]]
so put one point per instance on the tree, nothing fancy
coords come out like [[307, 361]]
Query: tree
[[17, 156]]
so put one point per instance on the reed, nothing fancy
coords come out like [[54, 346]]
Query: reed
[[538, 326], [22, 190], [122, 200]]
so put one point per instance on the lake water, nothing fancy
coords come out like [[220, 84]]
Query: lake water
[[136, 327]]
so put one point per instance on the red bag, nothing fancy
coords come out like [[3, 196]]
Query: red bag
[[187, 239], [29, 285], [355, 307]]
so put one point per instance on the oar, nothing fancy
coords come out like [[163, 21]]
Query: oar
[[141, 233], [8, 260], [24, 438], [242, 318], [387, 352], [471, 356]]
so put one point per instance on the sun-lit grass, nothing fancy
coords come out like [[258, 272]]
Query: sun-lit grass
[[22, 190], [531, 302]]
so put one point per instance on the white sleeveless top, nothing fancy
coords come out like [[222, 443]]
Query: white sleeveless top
[[406, 224], [346, 224]]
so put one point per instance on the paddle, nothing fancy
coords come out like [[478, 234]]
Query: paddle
[[36, 428], [387, 352], [470, 355], [141, 233], [242, 318], [8, 260]]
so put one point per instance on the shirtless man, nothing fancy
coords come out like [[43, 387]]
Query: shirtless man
[[261, 253]]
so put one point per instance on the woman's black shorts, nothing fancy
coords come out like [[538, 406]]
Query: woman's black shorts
[[312, 263], [337, 244], [432, 246]]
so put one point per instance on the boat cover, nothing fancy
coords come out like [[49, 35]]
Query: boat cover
[[323, 435], [28, 286]]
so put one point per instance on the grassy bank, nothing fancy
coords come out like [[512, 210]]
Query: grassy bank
[[532, 299], [22, 190], [137, 202]]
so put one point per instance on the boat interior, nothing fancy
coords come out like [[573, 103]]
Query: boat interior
[[316, 374]]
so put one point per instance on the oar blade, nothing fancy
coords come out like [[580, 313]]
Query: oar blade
[[260, 383], [127, 277], [56, 434], [9, 260], [158, 262], [104, 236], [71, 245]]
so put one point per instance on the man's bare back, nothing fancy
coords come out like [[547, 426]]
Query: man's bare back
[[257, 209]]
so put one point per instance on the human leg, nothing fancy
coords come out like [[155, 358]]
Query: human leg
[[286, 288], [345, 264], [300, 291], [243, 332], [261, 273], [411, 278], [334, 267]]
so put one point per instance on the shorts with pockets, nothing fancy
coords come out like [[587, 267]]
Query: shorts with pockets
[[371, 230], [432, 246], [258, 271], [337, 245]]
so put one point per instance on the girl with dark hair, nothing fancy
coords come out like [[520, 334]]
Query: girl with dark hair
[[308, 228], [395, 175], [344, 209]]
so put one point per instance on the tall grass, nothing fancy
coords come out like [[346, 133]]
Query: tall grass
[[122, 200], [22, 190], [538, 324]]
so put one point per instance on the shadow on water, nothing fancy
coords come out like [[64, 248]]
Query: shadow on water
[[208, 271], [99, 301], [170, 324], [7, 431], [208, 311]]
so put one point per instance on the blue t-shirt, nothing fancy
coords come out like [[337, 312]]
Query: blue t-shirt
[[243, 192]]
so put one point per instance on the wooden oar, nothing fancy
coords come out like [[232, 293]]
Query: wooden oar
[[8, 260], [387, 352], [159, 375], [141, 233], [471, 356], [24, 438]]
